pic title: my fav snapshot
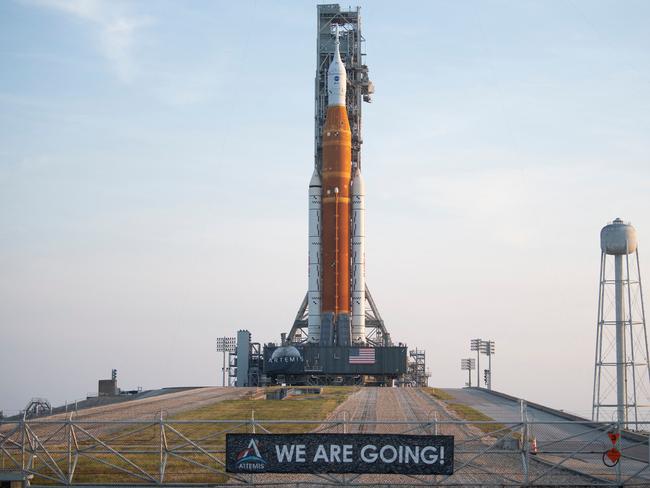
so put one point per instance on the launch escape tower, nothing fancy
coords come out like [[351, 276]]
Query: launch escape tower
[[359, 89], [621, 372]]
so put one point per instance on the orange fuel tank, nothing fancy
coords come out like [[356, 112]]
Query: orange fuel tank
[[336, 172]]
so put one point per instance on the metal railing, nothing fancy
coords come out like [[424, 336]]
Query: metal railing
[[163, 451]]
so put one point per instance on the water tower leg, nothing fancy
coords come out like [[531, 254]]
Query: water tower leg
[[621, 377]]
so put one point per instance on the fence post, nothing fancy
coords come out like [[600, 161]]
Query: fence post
[[69, 436], [23, 430], [620, 460], [525, 447], [161, 466]]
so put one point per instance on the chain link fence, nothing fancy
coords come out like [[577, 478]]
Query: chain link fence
[[162, 451]]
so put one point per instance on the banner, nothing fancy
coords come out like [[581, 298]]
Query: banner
[[340, 453]]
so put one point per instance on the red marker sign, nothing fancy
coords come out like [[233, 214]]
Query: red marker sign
[[614, 455]]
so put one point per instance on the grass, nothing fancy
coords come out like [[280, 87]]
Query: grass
[[466, 412], [439, 394], [302, 407], [141, 444], [472, 415]]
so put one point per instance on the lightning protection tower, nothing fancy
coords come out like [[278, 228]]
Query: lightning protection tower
[[622, 372]]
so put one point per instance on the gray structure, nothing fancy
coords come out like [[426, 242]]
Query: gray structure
[[304, 364], [246, 364], [108, 387], [37, 407], [359, 90], [243, 357], [621, 371], [417, 368]]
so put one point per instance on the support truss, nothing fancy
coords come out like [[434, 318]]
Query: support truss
[[376, 332]]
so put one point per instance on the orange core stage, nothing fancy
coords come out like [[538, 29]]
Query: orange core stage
[[336, 172]]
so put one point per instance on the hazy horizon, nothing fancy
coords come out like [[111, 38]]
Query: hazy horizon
[[155, 158]]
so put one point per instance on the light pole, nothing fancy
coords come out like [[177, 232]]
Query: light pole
[[468, 364], [487, 348], [475, 345], [224, 345]]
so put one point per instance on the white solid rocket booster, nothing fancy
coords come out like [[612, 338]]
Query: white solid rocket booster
[[313, 290], [358, 236]]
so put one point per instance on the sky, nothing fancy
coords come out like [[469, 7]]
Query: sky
[[155, 157]]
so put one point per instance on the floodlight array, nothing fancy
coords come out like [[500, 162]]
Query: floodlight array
[[226, 344]]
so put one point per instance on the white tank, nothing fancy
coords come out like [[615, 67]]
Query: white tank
[[618, 238]]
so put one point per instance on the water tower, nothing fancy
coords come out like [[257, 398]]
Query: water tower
[[622, 371]]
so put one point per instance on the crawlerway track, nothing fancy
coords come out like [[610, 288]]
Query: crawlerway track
[[415, 405]]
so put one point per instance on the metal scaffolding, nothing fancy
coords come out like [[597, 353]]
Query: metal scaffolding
[[417, 368]]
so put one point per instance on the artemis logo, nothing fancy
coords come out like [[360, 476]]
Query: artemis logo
[[250, 458]]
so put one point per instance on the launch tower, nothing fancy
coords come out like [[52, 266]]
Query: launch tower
[[338, 336]]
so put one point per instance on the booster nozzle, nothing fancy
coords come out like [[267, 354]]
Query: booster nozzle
[[336, 76]]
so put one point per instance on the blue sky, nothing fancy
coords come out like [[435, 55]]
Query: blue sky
[[154, 161]]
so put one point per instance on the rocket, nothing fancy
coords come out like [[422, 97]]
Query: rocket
[[336, 292]]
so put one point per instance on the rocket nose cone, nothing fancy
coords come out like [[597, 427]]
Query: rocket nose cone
[[336, 67], [358, 186], [336, 77], [315, 179]]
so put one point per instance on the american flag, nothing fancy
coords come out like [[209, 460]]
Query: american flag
[[362, 355]]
